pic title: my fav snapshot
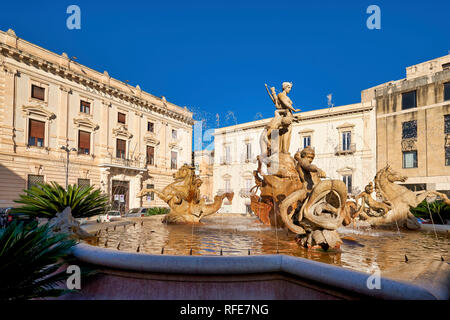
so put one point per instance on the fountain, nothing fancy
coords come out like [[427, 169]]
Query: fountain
[[228, 256]]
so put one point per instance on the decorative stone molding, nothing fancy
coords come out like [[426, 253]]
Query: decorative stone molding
[[122, 130], [409, 144], [345, 171], [39, 111], [150, 138], [345, 126], [306, 132], [87, 123], [36, 169]]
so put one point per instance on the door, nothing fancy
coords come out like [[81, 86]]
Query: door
[[120, 196]]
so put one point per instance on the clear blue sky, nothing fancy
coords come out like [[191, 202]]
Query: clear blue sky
[[215, 56]]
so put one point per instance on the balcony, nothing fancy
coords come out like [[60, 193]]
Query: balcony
[[222, 191], [245, 193], [124, 163], [339, 150]]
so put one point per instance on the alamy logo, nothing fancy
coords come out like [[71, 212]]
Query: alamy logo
[[74, 20], [74, 280], [374, 281], [374, 21]]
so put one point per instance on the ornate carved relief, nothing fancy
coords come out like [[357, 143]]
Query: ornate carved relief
[[122, 130], [409, 144]]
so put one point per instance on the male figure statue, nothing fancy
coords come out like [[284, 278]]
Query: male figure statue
[[309, 173]]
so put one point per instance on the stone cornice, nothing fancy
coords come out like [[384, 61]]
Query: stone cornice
[[71, 75]]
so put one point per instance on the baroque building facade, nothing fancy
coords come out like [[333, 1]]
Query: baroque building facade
[[413, 124], [343, 138], [120, 138]]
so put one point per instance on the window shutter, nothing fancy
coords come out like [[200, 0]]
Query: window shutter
[[37, 92], [150, 154], [84, 140], [37, 129], [121, 117], [121, 145]]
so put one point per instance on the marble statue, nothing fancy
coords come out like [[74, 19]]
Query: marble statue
[[292, 193], [397, 200], [184, 199]]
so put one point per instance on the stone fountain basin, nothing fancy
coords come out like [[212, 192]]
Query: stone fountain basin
[[139, 276]]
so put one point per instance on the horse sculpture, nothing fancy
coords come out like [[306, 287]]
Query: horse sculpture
[[399, 199], [183, 198]]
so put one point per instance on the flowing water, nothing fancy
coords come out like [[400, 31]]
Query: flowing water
[[234, 234]]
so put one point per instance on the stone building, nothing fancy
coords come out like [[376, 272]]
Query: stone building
[[413, 124], [343, 138], [122, 138]]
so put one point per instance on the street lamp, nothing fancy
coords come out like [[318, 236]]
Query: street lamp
[[67, 150]]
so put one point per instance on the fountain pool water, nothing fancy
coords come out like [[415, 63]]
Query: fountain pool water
[[236, 235]]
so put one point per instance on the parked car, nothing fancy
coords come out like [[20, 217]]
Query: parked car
[[114, 215], [136, 212], [103, 218], [6, 217]]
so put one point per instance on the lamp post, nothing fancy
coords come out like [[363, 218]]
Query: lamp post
[[67, 150]]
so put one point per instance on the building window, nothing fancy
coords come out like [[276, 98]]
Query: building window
[[248, 155], [409, 129], [306, 141], [173, 160], [227, 154], [346, 140], [409, 159], [150, 126], [447, 91], [84, 183], [447, 124], [121, 117], [84, 142], [348, 182], [121, 148], [227, 186], [447, 156], [85, 107], [36, 133], [34, 180], [151, 196], [174, 134], [409, 100], [150, 155], [37, 92]]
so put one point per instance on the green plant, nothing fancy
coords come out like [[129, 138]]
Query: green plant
[[30, 256], [156, 211], [438, 211], [46, 200]]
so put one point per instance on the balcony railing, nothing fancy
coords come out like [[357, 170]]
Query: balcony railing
[[245, 193], [124, 163], [222, 191], [339, 149]]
